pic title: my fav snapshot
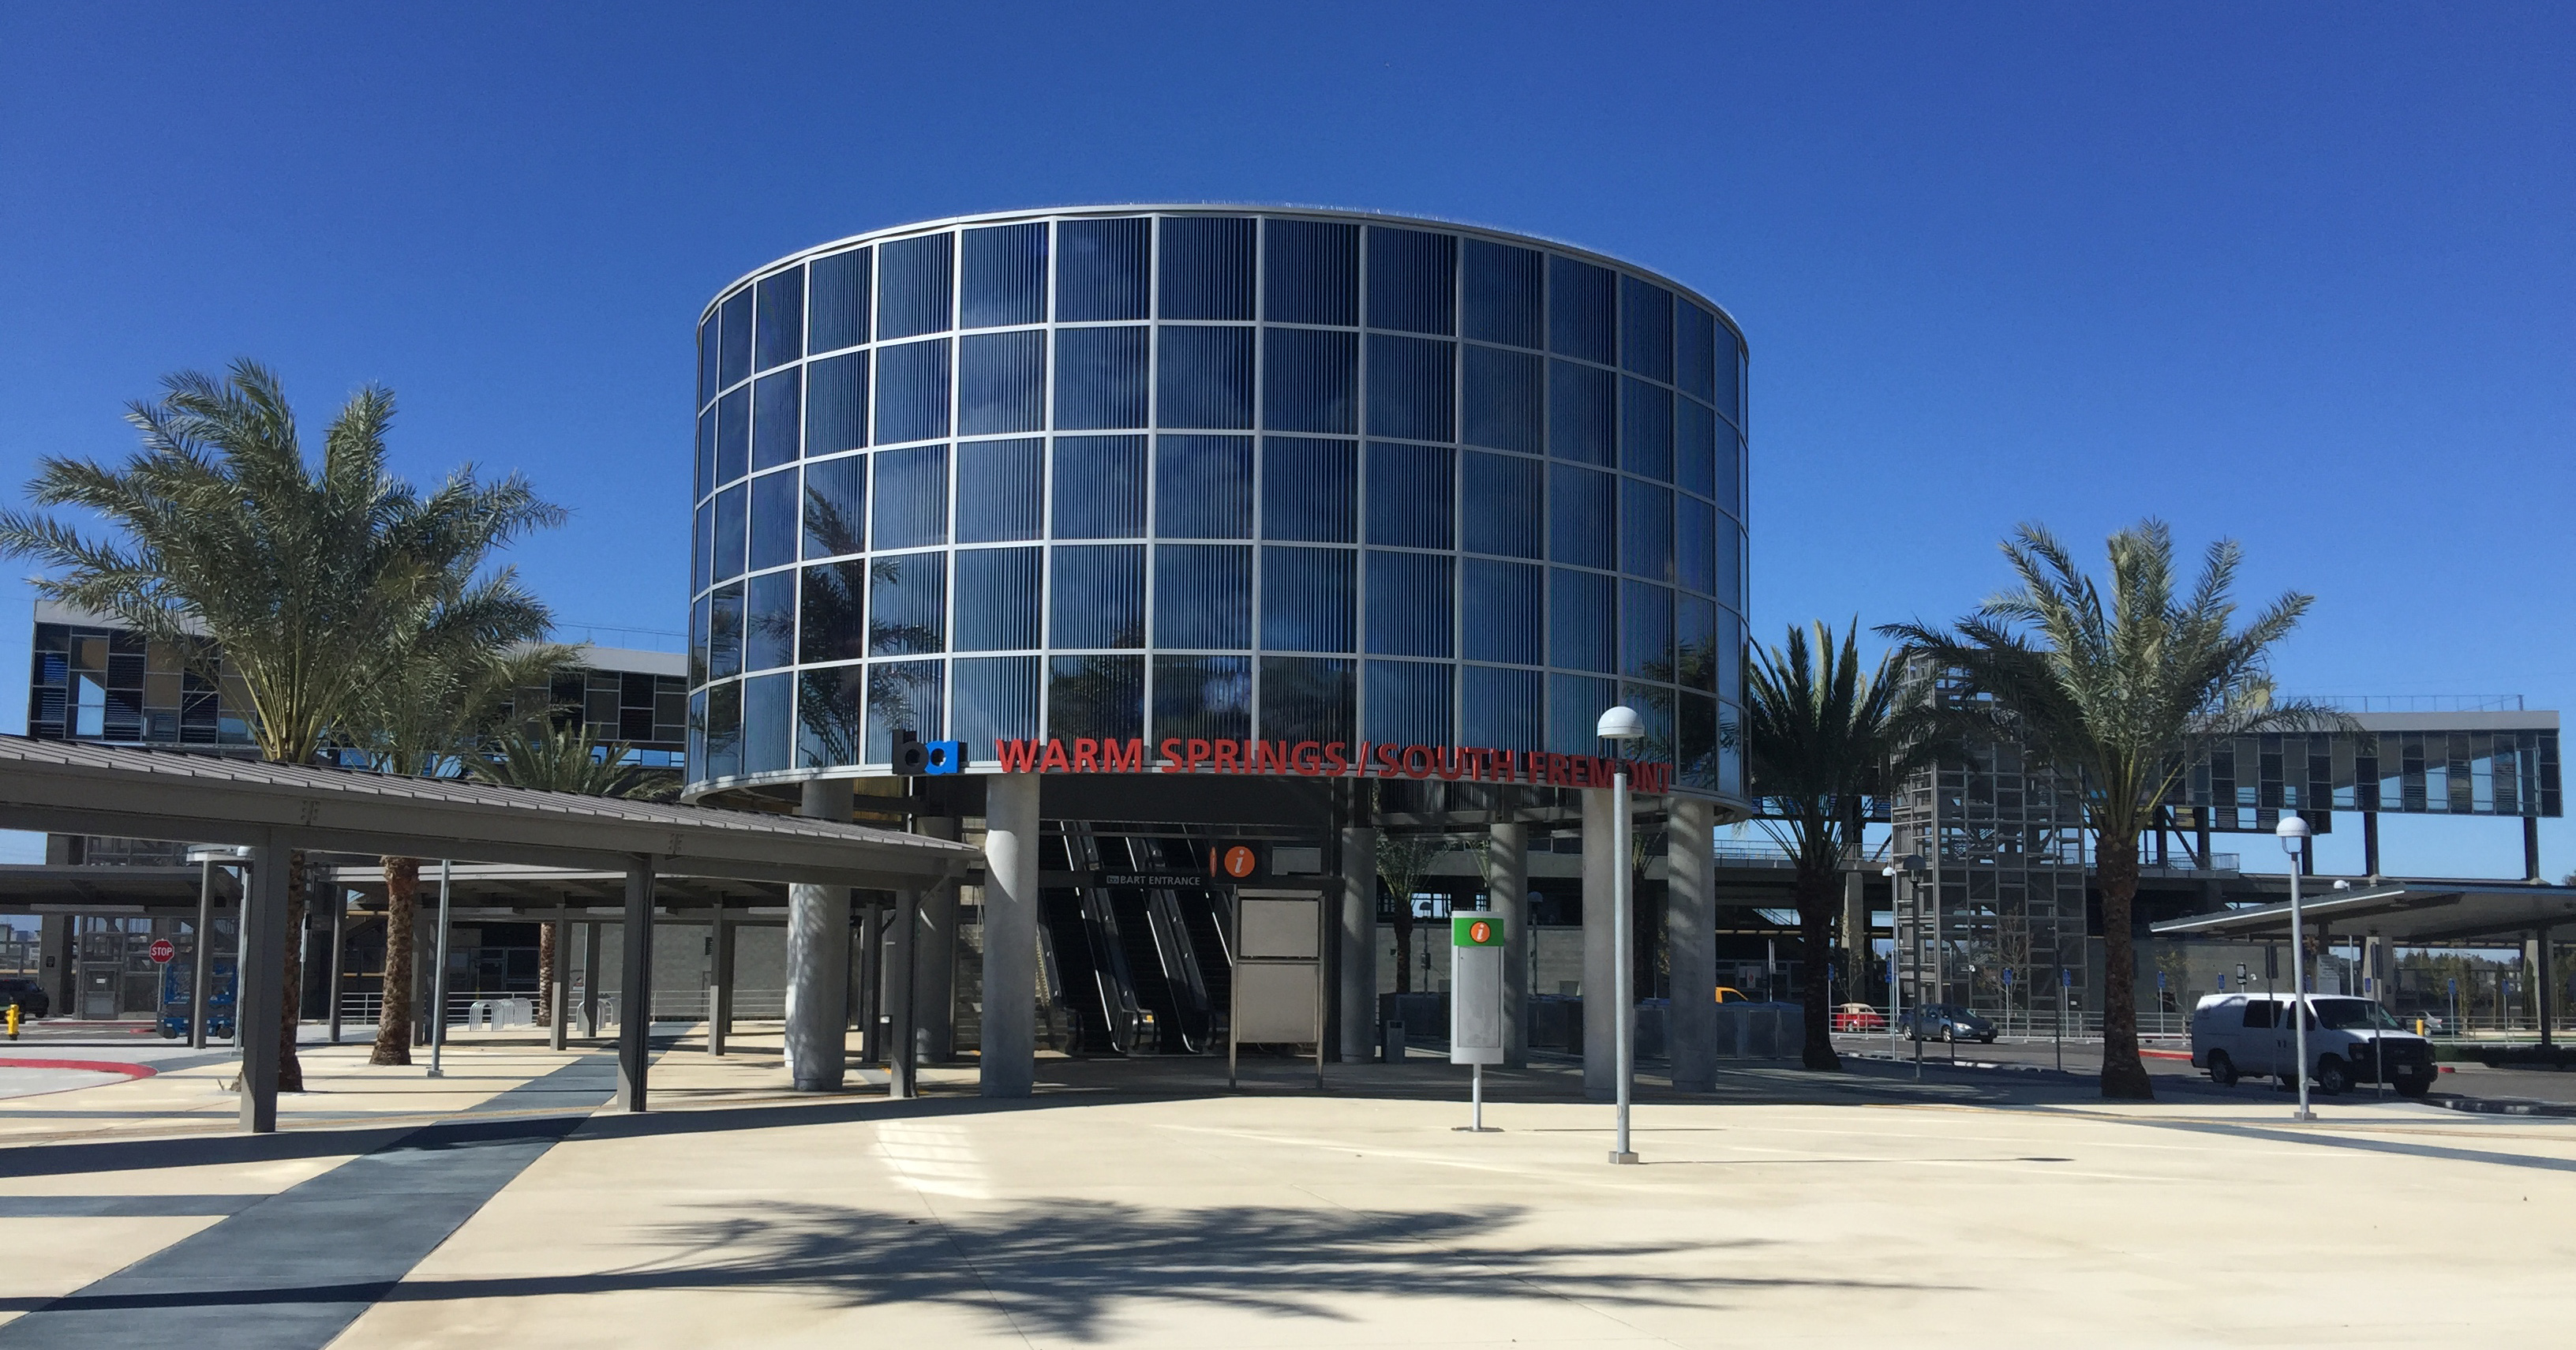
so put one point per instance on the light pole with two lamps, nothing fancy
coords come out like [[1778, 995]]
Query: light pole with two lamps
[[2293, 832], [1619, 726]]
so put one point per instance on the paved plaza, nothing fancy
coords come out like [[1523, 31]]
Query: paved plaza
[[1138, 1203]]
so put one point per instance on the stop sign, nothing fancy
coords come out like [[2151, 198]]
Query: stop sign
[[162, 951]]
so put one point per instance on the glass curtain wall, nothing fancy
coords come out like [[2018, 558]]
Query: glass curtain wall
[[1213, 473]]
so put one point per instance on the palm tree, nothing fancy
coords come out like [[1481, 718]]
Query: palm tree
[[564, 758], [1821, 735], [2115, 692], [438, 704], [310, 580], [1401, 861]]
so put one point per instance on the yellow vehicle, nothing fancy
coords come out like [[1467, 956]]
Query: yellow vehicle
[[1730, 994]]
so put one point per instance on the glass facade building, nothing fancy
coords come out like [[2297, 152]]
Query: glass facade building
[[1246, 473]]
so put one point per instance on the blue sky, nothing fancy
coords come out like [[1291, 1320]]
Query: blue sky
[[2300, 275]]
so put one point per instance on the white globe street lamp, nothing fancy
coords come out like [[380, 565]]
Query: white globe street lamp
[[1619, 726], [2294, 833]]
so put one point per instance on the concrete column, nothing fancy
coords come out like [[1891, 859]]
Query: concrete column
[[590, 978], [903, 1053], [635, 992], [559, 980], [719, 981], [1359, 944], [54, 945], [1009, 1060], [260, 997], [1507, 855], [1690, 917], [1601, 954], [818, 962], [868, 988], [935, 974]]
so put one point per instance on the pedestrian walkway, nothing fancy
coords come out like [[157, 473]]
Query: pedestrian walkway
[[1138, 1203]]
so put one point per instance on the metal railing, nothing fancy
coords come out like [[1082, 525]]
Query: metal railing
[[669, 1005], [2423, 703]]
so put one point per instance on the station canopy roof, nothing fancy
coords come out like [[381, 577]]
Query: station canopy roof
[[74, 788], [2415, 912]]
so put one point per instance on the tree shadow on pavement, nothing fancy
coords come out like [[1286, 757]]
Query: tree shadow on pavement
[[1067, 1268]]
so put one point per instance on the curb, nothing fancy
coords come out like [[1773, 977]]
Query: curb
[[2499, 1106], [91, 1065]]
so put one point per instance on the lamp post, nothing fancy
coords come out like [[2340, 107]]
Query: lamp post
[[1619, 726], [1907, 864], [2293, 832]]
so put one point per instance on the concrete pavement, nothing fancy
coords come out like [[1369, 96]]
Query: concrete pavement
[[1138, 1204]]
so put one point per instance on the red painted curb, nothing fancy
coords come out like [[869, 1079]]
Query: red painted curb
[[2166, 1054], [92, 1065]]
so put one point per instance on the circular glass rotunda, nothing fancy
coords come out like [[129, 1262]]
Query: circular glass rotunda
[[1214, 489]]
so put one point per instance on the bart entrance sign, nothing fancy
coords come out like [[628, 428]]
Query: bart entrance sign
[[1325, 759]]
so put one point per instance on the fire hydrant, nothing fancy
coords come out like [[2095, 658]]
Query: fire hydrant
[[13, 1021]]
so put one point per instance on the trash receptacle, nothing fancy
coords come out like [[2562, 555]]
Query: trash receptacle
[[1393, 1052]]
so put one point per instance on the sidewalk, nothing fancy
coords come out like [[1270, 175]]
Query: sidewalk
[[1138, 1203]]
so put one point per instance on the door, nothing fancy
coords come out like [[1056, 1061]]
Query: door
[[2252, 1043]]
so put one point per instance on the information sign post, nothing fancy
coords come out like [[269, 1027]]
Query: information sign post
[[1476, 1003]]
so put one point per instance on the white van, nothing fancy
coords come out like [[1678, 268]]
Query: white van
[[2350, 1040]]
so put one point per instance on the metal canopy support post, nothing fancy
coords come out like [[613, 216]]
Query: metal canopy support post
[[1009, 1056], [590, 978], [339, 944], [1602, 959], [2370, 844], [438, 975], [903, 1052], [635, 993], [1689, 919], [1358, 944], [818, 962], [559, 979], [719, 979], [200, 978], [2531, 848], [2543, 978], [1509, 891], [258, 998]]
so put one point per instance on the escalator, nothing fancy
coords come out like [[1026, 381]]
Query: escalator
[[1093, 984], [1141, 970]]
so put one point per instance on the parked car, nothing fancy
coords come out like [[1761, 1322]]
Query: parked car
[[1859, 1017], [1947, 1022], [27, 996], [2350, 1040], [1727, 993]]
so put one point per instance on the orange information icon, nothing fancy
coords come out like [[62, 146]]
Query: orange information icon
[[1238, 862], [1480, 932]]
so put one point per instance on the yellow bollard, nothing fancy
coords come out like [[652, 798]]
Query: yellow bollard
[[13, 1021]]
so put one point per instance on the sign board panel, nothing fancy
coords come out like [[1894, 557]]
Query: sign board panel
[[1475, 989], [1275, 1001], [163, 951], [1281, 929]]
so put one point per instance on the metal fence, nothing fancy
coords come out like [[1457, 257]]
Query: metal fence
[[669, 1005]]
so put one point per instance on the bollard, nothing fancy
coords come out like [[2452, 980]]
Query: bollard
[[13, 1021], [1394, 1051]]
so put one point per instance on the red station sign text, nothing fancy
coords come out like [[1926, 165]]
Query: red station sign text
[[1328, 759]]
